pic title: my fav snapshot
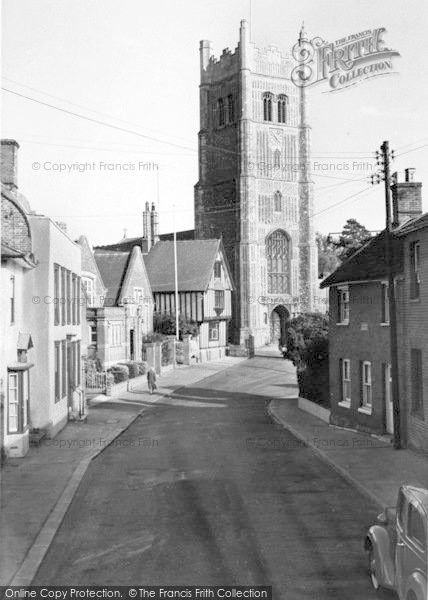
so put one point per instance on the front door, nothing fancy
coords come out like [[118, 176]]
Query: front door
[[389, 409], [132, 344]]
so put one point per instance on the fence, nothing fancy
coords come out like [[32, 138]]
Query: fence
[[95, 382]]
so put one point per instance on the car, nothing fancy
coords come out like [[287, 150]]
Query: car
[[397, 546]]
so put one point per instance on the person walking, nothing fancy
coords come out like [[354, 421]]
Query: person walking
[[151, 380]]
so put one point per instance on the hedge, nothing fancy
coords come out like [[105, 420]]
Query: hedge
[[120, 373]]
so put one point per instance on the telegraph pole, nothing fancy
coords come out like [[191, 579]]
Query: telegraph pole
[[383, 157], [177, 310]]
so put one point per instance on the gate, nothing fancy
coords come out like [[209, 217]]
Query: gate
[[95, 382]]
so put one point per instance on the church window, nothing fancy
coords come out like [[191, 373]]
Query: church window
[[230, 108], [267, 107], [277, 255], [282, 109], [277, 201], [220, 105], [276, 159]]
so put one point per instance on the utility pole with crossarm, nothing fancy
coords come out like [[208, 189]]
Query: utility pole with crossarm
[[383, 157]]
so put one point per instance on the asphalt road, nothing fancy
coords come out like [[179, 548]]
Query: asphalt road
[[205, 489]]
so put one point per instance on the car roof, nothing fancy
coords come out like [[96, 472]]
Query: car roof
[[419, 494]]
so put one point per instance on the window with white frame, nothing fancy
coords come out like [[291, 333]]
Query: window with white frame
[[385, 303], [366, 382], [415, 279], [89, 287], [346, 381], [343, 305], [213, 332], [18, 395]]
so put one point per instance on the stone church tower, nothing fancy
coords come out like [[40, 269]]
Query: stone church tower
[[254, 186]]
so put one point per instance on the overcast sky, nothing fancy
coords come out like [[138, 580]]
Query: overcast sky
[[135, 65]]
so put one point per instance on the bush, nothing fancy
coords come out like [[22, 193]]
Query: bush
[[307, 348], [132, 368], [120, 373], [142, 366]]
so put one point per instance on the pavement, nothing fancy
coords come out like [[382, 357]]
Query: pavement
[[37, 490], [205, 488], [368, 462]]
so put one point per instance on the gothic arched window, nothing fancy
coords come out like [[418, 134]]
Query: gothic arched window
[[277, 255], [220, 106], [282, 109], [267, 107], [230, 108], [277, 159], [277, 202]]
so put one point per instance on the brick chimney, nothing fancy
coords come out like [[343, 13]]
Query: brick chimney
[[406, 198], [147, 226], [9, 164], [154, 220]]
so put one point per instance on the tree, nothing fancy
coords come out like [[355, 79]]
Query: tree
[[328, 258], [307, 348], [165, 324], [353, 237]]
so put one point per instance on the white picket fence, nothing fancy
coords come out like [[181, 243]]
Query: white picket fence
[[95, 382]]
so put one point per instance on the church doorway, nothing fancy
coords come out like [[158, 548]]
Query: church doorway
[[278, 325]]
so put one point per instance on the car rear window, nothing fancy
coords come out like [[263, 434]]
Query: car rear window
[[416, 528]]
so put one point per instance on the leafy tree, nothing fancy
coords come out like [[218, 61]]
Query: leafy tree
[[307, 348], [328, 256], [165, 324], [353, 237]]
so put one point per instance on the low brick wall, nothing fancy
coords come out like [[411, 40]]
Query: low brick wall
[[314, 409]]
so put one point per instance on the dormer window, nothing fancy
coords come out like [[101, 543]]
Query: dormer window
[[267, 107], [282, 108], [220, 109], [88, 286]]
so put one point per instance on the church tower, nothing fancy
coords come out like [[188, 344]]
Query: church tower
[[255, 189]]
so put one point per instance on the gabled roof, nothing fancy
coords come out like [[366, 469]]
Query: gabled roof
[[413, 225], [369, 262], [112, 266], [126, 245], [195, 263], [187, 234]]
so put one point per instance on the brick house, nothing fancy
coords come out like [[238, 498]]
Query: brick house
[[41, 323], [359, 336], [204, 286], [414, 345], [17, 351]]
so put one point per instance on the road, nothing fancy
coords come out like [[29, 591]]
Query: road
[[205, 489]]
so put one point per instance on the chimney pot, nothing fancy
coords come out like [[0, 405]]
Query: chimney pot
[[409, 174]]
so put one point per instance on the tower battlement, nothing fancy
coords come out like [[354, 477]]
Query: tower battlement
[[254, 187], [215, 69]]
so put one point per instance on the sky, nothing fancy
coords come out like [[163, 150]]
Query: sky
[[134, 65]]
